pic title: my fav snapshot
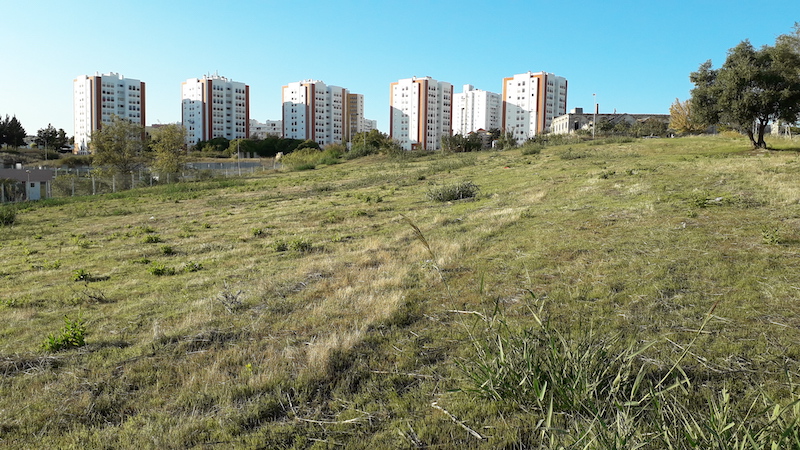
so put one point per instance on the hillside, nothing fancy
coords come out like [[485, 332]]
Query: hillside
[[595, 295]]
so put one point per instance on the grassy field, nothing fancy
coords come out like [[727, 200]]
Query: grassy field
[[622, 294]]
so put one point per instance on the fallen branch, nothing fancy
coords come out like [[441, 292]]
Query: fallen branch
[[458, 422]]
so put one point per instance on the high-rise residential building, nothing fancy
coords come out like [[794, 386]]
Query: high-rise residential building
[[475, 110], [319, 112], [531, 101], [214, 106], [355, 116], [98, 98], [421, 112]]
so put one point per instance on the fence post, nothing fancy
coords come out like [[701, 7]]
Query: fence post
[[94, 187]]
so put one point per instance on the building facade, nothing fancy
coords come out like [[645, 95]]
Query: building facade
[[530, 103], [474, 110], [261, 130], [421, 112], [98, 98], [214, 106], [322, 113], [578, 120]]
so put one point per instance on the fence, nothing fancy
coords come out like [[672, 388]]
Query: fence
[[85, 181]]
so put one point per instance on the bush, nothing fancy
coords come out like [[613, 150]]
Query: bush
[[460, 191], [160, 269], [8, 216], [72, 336], [303, 159]]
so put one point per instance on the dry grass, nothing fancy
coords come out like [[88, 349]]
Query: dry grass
[[350, 339]]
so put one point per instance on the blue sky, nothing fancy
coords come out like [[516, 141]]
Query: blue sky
[[635, 55]]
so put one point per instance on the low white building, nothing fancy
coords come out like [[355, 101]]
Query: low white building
[[261, 130], [577, 120]]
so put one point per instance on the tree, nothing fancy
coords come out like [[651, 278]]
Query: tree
[[118, 147], [460, 143], [751, 89], [682, 120], [50, 138], [11, 132], [168, 144]]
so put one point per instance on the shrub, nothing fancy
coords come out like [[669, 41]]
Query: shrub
[[160, 269], [72, 336], [280, 245], [81, 275], [8, 216], [300, 245], [447, 193], [303, 159], [151, 239], [192, 266]]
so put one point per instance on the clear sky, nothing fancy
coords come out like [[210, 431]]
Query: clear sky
[[636, 55]]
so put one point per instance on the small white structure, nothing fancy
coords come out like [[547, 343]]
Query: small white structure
[[33, 180]]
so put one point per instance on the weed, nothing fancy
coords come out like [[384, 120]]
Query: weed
[[8, 216], [72, 336], [151, 239], [167, 250], [192, 266], [161, 269], [81, 275], [300, 245], [257, 232], [771, 235], [459, 191], [141, 260], [280, 245]]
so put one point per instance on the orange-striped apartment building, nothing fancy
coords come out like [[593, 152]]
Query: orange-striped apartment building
[[98, 98], [421, 112], [322, 113], [530, 103], [214, 106]]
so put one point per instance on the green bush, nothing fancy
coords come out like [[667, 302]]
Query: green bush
[[81, 275], [447, 193], [8, 216], [151, 239], [160, 269], [72, 336]]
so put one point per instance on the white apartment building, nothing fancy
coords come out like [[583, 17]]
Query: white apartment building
[[530, 103], [214, 106], [421, 112], [313, 110], [96, 99], [269, 128], [474, 109]]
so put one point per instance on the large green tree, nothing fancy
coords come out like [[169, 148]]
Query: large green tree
[[752, 88], [118, 147], [169, 149], [11, 132]]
